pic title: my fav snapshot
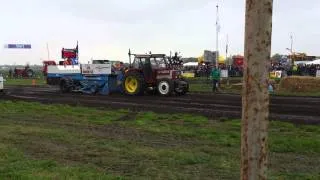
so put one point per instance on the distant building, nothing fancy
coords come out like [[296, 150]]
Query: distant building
[[190, 59], [210, 56]]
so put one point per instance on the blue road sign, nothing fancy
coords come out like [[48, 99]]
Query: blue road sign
[[18, 46]]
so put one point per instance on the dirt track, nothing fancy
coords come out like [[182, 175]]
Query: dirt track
[[292, 109]]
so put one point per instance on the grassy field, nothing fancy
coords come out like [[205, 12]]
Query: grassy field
[[62, 142], [236, 89], [207, 88], [204, 86], [310, 94], [24, 82]]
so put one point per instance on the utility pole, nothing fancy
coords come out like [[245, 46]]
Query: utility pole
[[291, 43], [217, 35], [291, 49], [255, 98], [229, 63], [227, 48], [48, 51]]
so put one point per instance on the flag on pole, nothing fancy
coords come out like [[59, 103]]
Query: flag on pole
[[75, 61], [227, 46], [227, 49], [77, 48]]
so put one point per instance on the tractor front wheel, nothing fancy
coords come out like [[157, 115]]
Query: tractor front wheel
[[133, 83], [165, 87]]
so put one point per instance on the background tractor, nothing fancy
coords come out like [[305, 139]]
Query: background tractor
[[24, 72], [153, 73]]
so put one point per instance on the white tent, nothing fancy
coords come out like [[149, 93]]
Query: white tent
[[191, 64], [317, 61], [301, 62]]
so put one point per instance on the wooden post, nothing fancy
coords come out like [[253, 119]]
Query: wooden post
[[255, 100]]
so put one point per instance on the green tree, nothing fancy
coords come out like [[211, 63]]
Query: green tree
[[276, 57]]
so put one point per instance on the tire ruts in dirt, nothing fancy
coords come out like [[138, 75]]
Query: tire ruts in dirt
[[291, 109]]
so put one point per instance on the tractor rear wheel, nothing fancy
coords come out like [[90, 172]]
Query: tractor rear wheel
[[133, 84], [165, 87], [181, 90]]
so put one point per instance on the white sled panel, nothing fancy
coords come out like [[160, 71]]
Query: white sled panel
[[96, 69], [61, 69]]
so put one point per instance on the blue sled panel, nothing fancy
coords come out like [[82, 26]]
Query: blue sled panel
[[97, 84], [113, 85]]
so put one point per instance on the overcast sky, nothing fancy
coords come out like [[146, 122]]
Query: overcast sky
[[108, 28]]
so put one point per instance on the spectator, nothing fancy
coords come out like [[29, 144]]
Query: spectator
[[215, 75], [10, 73]]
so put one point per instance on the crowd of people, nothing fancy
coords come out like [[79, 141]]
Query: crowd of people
[[236, 71], [205, 70], [210, 71], [306, 70], [298, 70]]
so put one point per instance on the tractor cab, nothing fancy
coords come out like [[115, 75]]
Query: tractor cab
[[149, 65], [153, 72]]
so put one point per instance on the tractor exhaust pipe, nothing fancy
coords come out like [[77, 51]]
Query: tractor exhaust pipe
[[129, 58]]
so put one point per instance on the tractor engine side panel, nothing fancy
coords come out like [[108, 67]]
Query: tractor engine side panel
[[161, 74]]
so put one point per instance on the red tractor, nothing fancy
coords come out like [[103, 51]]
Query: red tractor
[[153, 73], [24, 72]]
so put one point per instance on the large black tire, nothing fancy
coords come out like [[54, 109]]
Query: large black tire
[[151, 92], [66, 85], [181, 92], [165, 87], [133, 84]]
